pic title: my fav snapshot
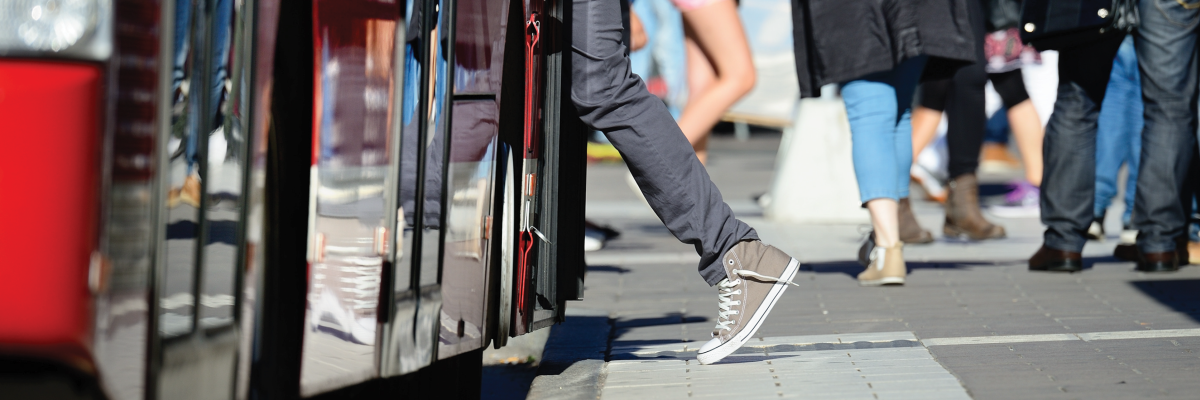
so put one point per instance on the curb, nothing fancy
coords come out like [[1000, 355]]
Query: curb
[[572, 365]]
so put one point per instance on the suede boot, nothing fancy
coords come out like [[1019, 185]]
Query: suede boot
[[963, 217], [910, 231]]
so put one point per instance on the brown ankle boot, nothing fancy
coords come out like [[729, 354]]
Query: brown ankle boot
[[910, 231], [963, 217]]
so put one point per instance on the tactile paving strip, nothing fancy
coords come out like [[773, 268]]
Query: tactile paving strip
[[890, 365]]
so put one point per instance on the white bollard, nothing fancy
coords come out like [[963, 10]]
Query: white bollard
[[814, 172]]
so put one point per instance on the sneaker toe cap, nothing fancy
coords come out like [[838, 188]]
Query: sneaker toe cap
[[711, 344]]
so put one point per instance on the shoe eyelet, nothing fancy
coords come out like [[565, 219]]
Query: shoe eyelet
[[730, 262]]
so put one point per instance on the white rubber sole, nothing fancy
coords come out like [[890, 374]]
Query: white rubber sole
[[891, 280], [717, 353]]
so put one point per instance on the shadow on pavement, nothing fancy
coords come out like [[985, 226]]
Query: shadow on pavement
[[853, 268], [607, 268], [1182, 295], [507, 382]]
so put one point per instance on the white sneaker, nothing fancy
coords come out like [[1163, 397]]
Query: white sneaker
[[1096, 231], [757, 275]]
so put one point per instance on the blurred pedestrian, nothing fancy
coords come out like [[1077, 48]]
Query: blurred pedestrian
[[720, 70], [962, 98], [750, 276], [845, 42], [1166, 53]]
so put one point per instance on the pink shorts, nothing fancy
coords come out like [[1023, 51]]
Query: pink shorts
[[688, 5]]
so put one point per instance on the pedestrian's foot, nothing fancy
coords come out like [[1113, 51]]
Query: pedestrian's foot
[[1126, 249], [757, 275], [188, 194], [1054, 260], [933, 187], [1166, 261], [963, 217], [1193, 252], [887, 267], [911, 231], [864, 251], [1096, 230]]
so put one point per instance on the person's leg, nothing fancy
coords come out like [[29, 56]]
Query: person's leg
[[1068, 183], [966, 119], [183, 27], [927, 114], [611, 99], [1118, 123], [1166, 52], [717, 31], [1023, 120], [880, 129], [871, 111], [222, 26], [670, 54], [877, 107], [700, 78]]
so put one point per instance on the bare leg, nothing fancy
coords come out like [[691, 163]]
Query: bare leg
[[717, 32], [885, 220], [924, 127], [1028, 130], [700, 77]]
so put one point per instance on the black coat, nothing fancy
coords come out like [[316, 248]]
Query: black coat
[[841, 40]]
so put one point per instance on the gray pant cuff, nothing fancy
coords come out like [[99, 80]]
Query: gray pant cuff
[[1156, 247], [1065, 244]]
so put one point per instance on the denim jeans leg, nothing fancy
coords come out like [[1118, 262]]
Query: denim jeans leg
[[1166, 51], [1069, 177], [1134, 150], [879, 109], [871, 109], [1120, 126]]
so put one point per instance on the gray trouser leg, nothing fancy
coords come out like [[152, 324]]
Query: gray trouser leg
[[613, 100]]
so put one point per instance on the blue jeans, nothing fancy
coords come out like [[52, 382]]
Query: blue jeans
[[664, 53], [879, 107], [1119, 136], [218, 59], [1166, 52]]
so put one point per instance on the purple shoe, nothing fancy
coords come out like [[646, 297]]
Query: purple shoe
[[1023, 201]]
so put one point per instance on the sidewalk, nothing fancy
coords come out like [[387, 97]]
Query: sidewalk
[[971, 322]]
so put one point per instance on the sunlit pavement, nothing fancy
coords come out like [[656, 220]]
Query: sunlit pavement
[[971, 322]]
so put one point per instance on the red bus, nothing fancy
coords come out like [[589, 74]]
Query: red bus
[[281, 199]]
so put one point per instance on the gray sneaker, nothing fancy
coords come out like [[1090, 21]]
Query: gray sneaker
[[757, 276]]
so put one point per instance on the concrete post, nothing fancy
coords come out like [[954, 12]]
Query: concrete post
[[814, 179]]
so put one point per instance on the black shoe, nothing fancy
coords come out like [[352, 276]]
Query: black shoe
[[864, 252], [1054, 260], [1126, 252], [1167, 261]]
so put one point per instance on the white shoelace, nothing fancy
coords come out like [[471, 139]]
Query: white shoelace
[[725, 299]]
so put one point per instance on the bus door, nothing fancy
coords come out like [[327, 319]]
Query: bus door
[[351, 200], [549, 204], [414, 295]]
